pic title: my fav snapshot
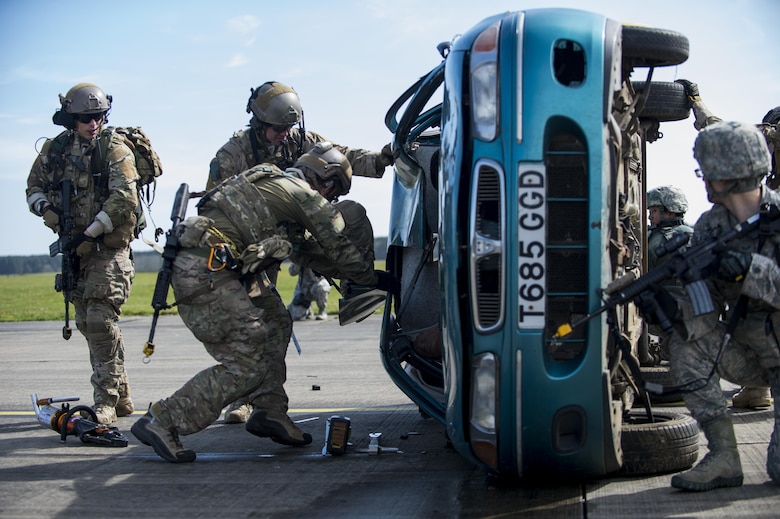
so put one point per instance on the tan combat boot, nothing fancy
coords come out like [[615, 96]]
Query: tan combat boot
[[164, 441], [238, 412], [721, 466], [750, 397], [106, 414], [124, 406], [275, 424]]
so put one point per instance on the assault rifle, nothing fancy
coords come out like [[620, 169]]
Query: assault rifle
[[691, 267], [65, 281], [160, 296]]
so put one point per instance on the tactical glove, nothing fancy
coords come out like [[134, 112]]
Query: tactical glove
[[82, 244], [657, 301], [733, 265], [51, 218], [691, 90], [386, 155], [387, 282], [259, 256]]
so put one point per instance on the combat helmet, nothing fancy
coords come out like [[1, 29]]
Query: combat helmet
[[326, 167], [732, 151], [671, 198], [84, 98], [772, 116], [273, 103]]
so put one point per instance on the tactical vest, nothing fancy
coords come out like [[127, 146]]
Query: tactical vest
[[244, 205], [90, 183]]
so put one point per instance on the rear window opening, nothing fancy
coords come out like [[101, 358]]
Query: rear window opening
[[569, 63]]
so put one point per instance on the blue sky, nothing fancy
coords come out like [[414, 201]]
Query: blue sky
[[183, 69]]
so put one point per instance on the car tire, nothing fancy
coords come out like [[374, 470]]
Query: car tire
[[670, 444], [662, 376], [665, 101], [652, 47]]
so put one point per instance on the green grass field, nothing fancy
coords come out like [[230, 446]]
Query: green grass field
[[31, 297]]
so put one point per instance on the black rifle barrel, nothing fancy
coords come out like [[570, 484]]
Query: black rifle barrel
[[160, 296]]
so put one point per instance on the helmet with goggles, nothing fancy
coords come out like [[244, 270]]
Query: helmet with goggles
[[326, 169], [84, 102]]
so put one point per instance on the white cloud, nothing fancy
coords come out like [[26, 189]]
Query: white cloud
[[237, 60]]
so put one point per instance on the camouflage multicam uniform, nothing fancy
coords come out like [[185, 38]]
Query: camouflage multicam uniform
[[313, 287], [247, 332], [238, 155], [105, 273]]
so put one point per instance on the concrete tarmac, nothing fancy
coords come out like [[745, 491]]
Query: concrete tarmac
[[239, 475]]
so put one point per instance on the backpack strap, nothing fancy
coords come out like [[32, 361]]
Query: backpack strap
[[255, 147], [99, 162], [54, 150]]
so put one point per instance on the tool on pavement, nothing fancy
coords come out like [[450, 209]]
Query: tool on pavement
[[67, 420], [337, 431]]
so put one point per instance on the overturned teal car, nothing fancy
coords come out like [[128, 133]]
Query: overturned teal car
[[518, 195]]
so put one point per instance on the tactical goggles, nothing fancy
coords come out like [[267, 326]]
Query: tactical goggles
[[86, 118]]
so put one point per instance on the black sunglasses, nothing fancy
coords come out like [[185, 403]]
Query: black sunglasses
[[281, 129], [86, 118]]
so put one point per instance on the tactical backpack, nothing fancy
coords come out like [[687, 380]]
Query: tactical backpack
[[147, 163]]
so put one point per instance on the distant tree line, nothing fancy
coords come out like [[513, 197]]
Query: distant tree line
[[146, 261]]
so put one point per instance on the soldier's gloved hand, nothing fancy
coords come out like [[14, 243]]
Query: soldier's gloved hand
[[733, 265], [386, 155], [259, 256], [387, 282], [691, 90], [82, 244], [51, 218], [649, 302]]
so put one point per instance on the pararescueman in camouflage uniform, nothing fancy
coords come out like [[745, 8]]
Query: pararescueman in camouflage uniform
[[666, 207], [273, 138], [733, 159], [311, 287], [748, 396], [260, 217], [360, 232], [104, 221]]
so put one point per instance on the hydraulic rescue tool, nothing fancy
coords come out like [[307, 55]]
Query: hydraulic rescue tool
[[67, 420]]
